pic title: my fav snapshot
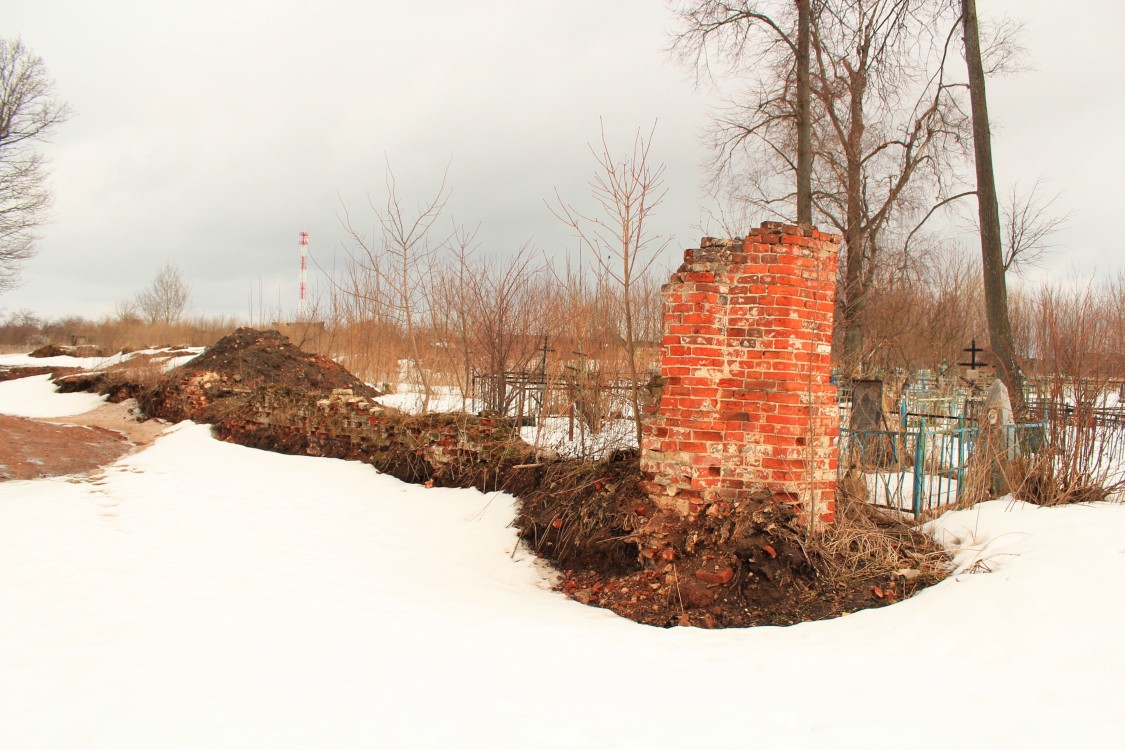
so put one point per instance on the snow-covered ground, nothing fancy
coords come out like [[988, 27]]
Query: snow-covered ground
[[556, 434], [204, 595], [94, 363], [575, 441], [63, 360], [36, 397], [412, 399]]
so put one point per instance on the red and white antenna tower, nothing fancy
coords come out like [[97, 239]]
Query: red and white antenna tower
[[302, 303]]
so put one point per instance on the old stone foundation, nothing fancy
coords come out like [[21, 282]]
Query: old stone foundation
[[745, 408]]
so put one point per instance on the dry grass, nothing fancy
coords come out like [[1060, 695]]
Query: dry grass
[[145, 370], [1060, 474], [865, 541]]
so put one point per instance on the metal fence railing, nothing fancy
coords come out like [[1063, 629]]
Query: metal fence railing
[[920, 468]]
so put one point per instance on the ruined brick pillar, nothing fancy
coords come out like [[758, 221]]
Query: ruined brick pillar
[[746, 408]]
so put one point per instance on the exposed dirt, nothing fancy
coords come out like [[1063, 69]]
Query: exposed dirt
[[82, 350], [257, 357], [15, 373], [49, 350], [30, 449], [59, 446], [123, 418]]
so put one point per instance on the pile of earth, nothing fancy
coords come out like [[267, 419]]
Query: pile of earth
[[15, 373], [208, 386], [758, 567], [49, 350], [53, 350]]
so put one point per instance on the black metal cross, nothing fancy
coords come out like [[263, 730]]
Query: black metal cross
[[973, 351], [543, 361]]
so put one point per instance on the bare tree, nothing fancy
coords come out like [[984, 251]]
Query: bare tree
[[400, 258], [126, 311], [893, 129], [992, 255], [20, 328], [450, 286], [29, 112], [505, 317], [886, 128], [369, 335], [166, 299], [627, 192]]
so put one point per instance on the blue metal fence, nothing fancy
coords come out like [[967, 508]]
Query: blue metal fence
[[919, 467]]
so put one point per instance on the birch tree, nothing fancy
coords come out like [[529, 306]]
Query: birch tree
[[165, 300]]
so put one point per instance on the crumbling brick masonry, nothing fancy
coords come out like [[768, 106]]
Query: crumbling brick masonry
[[746, 408]]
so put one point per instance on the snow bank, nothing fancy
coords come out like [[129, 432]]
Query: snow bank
[[441, 401], [95, 363], [65, 360], [36, 396], [201, 594]]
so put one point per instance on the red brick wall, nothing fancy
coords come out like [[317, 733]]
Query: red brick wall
[[747, 408]]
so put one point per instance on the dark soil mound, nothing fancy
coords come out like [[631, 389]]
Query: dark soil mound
[[759, 567], [582, 515], [252, 357], [115, 386], [211, 385], [50, 350]]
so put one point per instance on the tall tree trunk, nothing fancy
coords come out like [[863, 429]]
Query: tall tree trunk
[[855, 288], [804, 119], [992, 257]]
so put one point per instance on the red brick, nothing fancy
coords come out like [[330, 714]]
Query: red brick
[[756, 313]]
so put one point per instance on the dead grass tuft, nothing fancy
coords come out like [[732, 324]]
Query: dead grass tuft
[[865, 541]]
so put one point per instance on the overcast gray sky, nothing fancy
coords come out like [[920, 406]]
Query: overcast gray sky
[[209, 134]]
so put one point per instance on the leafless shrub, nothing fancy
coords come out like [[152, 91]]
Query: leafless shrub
[[1077, 396], [505, 320], [924, 310]]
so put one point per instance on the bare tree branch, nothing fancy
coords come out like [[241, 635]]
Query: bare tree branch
[[29, 113], [1028, 224]]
